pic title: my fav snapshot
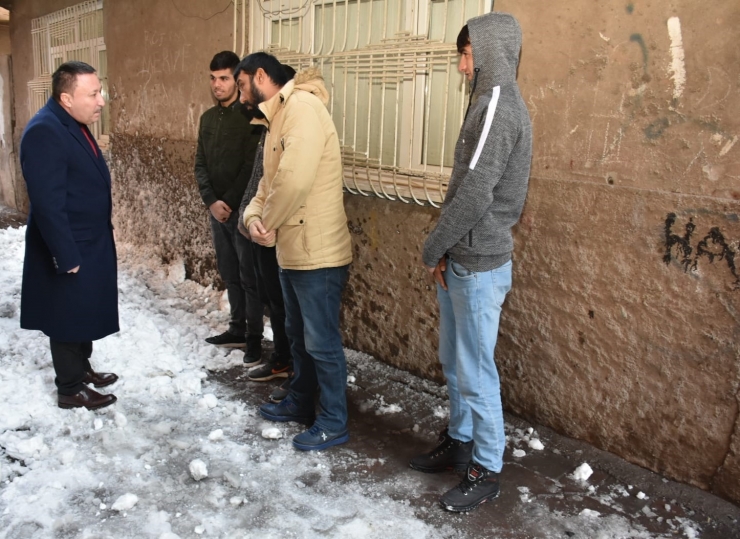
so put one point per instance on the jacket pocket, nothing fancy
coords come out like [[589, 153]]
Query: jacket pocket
[[292, 239], [83, 234]]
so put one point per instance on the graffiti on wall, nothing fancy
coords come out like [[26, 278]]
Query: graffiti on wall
[[713, 246]]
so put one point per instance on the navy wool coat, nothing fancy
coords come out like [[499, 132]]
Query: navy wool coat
[[69, 225]]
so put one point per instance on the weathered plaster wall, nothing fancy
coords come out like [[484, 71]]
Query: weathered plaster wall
[[624, 321], [8, 191], [624, 325], [158, 55]]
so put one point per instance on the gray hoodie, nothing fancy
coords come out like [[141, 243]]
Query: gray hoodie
[[490, 175]]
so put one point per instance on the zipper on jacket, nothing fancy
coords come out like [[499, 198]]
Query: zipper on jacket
[[470, 238]]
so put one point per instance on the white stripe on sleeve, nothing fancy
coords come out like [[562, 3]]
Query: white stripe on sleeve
[[487, 126]]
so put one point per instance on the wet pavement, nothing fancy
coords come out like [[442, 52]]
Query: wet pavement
[[395, 415]]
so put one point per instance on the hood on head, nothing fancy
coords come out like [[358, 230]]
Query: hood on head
[[496, 39], [311, 80]]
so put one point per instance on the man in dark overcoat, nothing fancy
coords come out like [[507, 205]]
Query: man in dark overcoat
[[70, 289]]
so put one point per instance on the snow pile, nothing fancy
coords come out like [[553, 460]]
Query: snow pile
[[125, 471], [179, 456], [583, 472]]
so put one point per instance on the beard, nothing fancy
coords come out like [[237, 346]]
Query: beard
[[255, 95]]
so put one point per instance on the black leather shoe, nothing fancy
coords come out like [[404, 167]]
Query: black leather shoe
[[87, 398], [100, 379], [450, 454]]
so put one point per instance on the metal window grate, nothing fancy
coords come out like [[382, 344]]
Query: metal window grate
[[390, 67], [74, 33]]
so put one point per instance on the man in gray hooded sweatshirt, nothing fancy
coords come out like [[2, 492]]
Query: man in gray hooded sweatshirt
[[469, 255]]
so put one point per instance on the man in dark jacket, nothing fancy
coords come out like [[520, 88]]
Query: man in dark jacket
[[223, 166], [70, 289], [469, 255]]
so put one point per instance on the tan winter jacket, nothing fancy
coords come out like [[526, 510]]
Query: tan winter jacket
[[300, 193]]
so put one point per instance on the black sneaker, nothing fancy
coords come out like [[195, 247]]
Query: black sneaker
[[450, 454], [228, 340], [477, 486], [253, 354], [282, 391], [270, 370]]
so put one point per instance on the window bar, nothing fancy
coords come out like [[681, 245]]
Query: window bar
[[395, 186], [346, 26], [399, 87], [357, 92], [319, 13], [354, 178], [429, 65], [244, 26], [369, 22], [345, 64], [382, 125], [333, 29], [444, 120], [344, 181], [357, 30], [234, 29]]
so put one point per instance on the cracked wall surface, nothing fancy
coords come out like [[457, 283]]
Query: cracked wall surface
[[623, 324]]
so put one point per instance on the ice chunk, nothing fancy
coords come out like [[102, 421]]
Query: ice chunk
[[125, 502], [536, 445], [272, 433], [583, 472], [198, 469]]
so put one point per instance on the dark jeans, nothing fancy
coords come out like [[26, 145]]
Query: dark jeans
[[235, 265], [312, 300], [71, 361], [268, 281]]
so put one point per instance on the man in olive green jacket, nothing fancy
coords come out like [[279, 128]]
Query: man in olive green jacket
[[299, 207], [223, 166]]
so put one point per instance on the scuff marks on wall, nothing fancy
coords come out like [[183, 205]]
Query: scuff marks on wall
[[677, 68], [157, 204]]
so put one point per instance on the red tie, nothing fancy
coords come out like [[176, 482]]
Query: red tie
[[89, 139]]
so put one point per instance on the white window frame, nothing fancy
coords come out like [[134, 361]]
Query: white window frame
[[409, 178], [44, 55]]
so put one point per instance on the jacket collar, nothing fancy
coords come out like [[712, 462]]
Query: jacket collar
[[75, 129], [271, 107]]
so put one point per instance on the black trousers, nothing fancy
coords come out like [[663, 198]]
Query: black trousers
[[268, 279], [236, 268], [71, 362]]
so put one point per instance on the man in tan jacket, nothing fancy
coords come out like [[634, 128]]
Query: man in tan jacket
[[299, 208]]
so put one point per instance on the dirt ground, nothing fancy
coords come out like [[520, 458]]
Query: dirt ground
[[11, 218]]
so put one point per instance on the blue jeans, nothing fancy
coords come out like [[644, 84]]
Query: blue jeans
[[312, 300], [470, 310]]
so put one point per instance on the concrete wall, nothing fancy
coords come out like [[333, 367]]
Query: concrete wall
[[624, 321], [8, 190]]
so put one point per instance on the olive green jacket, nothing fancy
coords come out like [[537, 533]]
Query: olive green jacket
[[225, 155]]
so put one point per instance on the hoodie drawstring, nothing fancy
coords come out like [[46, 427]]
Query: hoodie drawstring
[[472, 91]]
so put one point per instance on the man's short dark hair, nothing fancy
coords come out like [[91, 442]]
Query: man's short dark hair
[[64, 79], [224, 60], [463, 39], [271, 65]]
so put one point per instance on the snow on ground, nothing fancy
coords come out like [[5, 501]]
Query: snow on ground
[[179, 456], [133, 473]]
